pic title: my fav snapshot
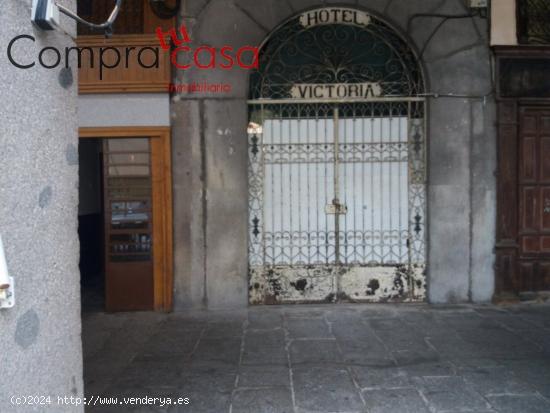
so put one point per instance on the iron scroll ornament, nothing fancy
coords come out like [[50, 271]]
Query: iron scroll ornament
[[336, 54], [532, 19]]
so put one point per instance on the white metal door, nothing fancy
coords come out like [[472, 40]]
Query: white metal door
[[336, 190], [337, 148]]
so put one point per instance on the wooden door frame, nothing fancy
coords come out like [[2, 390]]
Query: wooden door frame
[[507, 249], [161, 161]]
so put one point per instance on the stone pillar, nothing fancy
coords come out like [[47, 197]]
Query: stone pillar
[[40, 337]]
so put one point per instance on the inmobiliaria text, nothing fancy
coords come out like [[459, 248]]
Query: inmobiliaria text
[[182, 55]]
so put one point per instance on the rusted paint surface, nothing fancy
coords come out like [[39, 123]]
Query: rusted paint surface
[[279, 285], [382, 284]]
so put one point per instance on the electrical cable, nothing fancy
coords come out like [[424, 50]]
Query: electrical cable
[[445, 17], [107, 25]]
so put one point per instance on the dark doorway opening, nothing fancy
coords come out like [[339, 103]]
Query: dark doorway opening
[[90, 225], [116, 224]]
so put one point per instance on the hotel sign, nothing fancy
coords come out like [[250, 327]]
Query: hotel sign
[[334, 15], [336, 90]]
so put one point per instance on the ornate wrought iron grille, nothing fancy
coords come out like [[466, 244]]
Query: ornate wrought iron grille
[[336, 186], [533, 21], [336, 53]]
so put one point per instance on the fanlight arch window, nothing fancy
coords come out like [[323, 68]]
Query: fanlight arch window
[[336, 53]]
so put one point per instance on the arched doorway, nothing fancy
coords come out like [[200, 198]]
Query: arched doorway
[[337, 163]]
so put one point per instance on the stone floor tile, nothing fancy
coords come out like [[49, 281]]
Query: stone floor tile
[[305, 311], [450, 394], [308, 328], [455, 348], [273, 400], [324, 389], [407, 340], [260, 338], [354, 329], [213, 367], [416, 357], [472, 322], [94, 341], [519, 403], [223, 330], [226, 350], [490, 381], [384, 377], [223, 381], [182, 325], [387, 324], [478, 359], [265, 355], [538, 315], [314, 352], [396, 400], [172, 344], [512, 322], [227, 316], [539, 337], [429, 369], [365, 353], [535, 372], [264, 376], [474, 363], [151, 373], [208, 392], [344, 313], [265, 319]]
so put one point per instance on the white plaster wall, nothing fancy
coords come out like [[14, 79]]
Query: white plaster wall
[[503, 23], [135, 109]]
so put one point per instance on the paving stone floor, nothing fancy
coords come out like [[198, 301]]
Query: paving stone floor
[[333, 358]]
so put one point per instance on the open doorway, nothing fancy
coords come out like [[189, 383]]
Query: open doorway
[[125, 219], [116, 224], [90, 225]]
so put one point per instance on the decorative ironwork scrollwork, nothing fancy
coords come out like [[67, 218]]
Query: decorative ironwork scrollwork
[[369, 152], [533, 18], [336, 53]]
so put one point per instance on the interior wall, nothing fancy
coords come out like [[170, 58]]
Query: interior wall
[[41, 348], [123, 109], [210, 150]]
